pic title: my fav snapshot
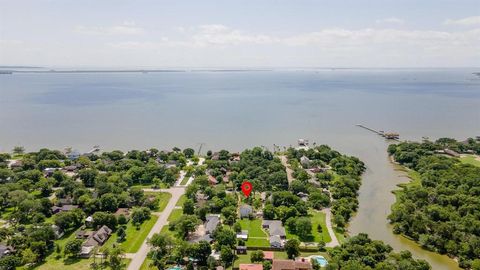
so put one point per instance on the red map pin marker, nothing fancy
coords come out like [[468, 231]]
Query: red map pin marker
[[246, 188]]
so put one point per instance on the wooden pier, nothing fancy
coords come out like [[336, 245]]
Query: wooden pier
[[387, 135]]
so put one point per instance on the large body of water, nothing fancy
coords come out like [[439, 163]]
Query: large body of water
[[236, 110]]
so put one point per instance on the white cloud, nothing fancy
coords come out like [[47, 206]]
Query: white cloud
[[474, 20], [126, 28], [391, 20]]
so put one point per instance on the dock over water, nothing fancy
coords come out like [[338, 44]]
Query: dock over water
[[387, 135]]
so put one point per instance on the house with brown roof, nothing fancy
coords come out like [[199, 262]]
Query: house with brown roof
[[250, 266], [291, 265], [96, 238], [63, 208]]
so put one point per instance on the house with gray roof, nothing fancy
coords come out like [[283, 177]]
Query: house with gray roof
[[245, 211], [276, 241], [211, 223]]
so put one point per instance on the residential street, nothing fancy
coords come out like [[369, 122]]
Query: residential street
[[141, 254]]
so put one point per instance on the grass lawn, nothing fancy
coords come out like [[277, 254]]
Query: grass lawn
[[176, 214], [254, 227], [71, 264], [181, 201], [163, 199], [256, 236], [470, 159], [317, 218], [185, 179], [146, 265], [135, 237]]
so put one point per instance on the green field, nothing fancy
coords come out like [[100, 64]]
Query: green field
[[181, 201], [135, 237], [163, 199], [256, 236], [470, 159], [176, 214], [317, 218], [146, 265]]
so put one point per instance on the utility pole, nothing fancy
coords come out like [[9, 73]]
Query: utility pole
[[200, 148]]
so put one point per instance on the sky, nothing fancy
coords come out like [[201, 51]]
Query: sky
[[242, 33]]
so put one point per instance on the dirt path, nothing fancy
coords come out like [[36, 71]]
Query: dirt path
[[287, 168]]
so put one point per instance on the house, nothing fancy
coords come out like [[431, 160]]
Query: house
[[212, 180], [291, 265], [171, 164], [201, 198], [245, 211], [73, 155], [274, 227], [451, 153], [15, 164], [250, 266], [219, 268], [243, 235], [96, 238], [235, 158], [57, 231], [5, 250], [70, 168], [211, 223], [63, 208], [241, 250], [305, 161], [215, 254], [63, 201], [276, 241], [49, 171], [215, 156], [268, 255]]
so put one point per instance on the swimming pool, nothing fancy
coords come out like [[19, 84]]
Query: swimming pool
[[321, 260]]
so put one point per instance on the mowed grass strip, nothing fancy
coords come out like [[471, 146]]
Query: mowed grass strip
[[135, 237], [181, 201], [176, 214]]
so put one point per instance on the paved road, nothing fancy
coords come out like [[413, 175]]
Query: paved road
[[287, 168], [139, 257], [328, 221], [177, 191]]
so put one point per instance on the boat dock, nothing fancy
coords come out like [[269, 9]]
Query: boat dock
[[387, 135]]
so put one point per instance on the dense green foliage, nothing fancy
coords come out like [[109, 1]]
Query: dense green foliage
[[361, 253], [339, 174], [442, 211], [89, 185]]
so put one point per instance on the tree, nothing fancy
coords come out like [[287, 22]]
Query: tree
[[321, 245], [203, 251], [103, 218], [226, 256], [115, 258], [187, 224], [73, 247], [303, 227], [257, 256], [88, 176], [225, 237], [139, 215], [28, 256], [292, 247], [121, 234], [269, 212], [109, 202], [230, 214], [18, 150], [188, 152], [237, 227], [267, 265], [189, 207]]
